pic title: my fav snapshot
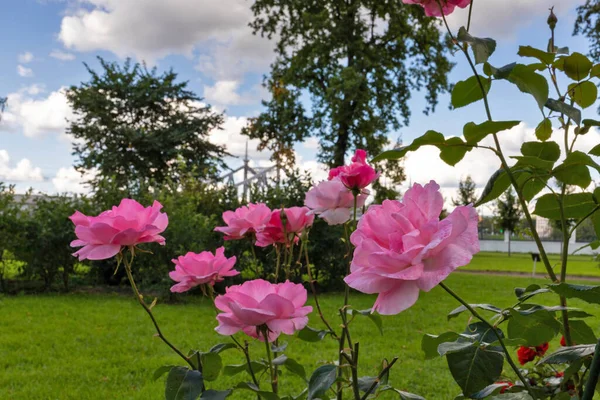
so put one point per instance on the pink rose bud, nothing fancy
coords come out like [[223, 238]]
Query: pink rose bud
[[194, 269], [403, 247], [127, 224], [432, 7], [357, 175], [258, 305], [332, 201], [245, 220], [297, 219]]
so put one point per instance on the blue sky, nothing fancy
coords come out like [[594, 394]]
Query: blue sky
[[209, 44]]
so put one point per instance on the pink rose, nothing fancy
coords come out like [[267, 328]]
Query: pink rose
[[332, 201], [403, 247], [244, 220], [297, 219], [197, 269], [258, 304], [432, 8], [127, 224], [357, 175]]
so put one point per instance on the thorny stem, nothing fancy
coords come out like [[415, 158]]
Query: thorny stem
[[269, 360], [140, 299], [506, 352], [593, 378], [248, 361], [381, 374]]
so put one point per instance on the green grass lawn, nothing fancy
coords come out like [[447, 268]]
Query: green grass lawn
[[84, 346], [579, 265]]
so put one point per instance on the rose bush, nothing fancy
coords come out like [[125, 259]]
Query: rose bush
[[396, 250]]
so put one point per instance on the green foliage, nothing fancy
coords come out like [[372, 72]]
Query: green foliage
[[466, 192], [353, 103], [508, 212], [138, 128], [321, 380], [469, 91]]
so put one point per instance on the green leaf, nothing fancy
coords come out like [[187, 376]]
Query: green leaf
[[528, 51], [321, 380], [595, 71], [183, 384], [524, 294], [544, 166], [365, 383], [583, 93], [212, 394], [453, 151], [574, 170], [453, 347], [512, 396], [544, 130], [576, 205], [475, 368], [160, 371], [535, 328], [429, 138], [488, 391], [566, 355], [469, 91], [499, 182], [589, 294], [576, 66], [595, 151], [309, 334], [217, 348], [211, 366], [231, 370], [430, 343], [549, 151], [263, 394], [488, 307], [531, 82], [581, 333], [408, 396], [474, 133], [375, 318], [280, 360], [566, 109], [587, 125], [498, 73], [295, 368], [482, 48]]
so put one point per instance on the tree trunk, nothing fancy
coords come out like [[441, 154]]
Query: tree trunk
[[509, 235]]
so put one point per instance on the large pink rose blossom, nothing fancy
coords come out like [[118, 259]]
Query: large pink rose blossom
[[403, 247], [332, 201], [357, 175], [244, 220], [194, 269], [297, 220], [127, 224], [258, 304], [432, 7]]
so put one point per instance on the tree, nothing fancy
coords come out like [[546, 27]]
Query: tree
[[136, 127], [588, 25], [508, 214], [466, 192], [357, 60]]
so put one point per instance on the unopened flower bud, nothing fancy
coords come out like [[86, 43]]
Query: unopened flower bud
[[552, 20]]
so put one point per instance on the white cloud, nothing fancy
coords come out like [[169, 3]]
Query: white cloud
[[23, 171], [70, 181], [223, 93], [312, 143], [499, 20], [34, 116], [25, 57], [34, 89], [230, 137], [62, 55], [24, 71]]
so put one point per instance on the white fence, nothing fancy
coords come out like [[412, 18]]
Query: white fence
[[519, 246]]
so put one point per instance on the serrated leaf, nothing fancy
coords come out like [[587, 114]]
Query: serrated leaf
[[474, 368], [160, 371], [429, 138], [430, 343], [375, 318], [535, 328], [218, 348], [576, 66], [587, 293], [295, 368], [584, 94], [564, 108], [482, 48], [212, 394], [321, 380], [524, 294], [528, 51], [498, 73], [183, 384], [453, 151], [576, 205], [474, 133], [469, 91], [581, 333], [544, 130], [574, 170], [595, 151], [309, 334], [211, 365], [549, 151], [234, 369], [488, 307], [531, 82], [566, 355]]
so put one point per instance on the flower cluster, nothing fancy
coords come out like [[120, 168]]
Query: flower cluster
[[527, 354]]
